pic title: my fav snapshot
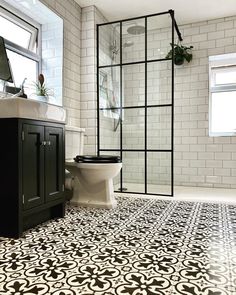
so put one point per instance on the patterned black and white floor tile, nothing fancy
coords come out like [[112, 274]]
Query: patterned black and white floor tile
[[143, 247]]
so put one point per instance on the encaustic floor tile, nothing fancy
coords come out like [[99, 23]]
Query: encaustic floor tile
[[143, 247]]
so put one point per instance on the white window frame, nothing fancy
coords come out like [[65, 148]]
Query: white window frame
[[217, 63], [20, 19]]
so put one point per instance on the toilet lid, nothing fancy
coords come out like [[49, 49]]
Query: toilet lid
[[97, 159]]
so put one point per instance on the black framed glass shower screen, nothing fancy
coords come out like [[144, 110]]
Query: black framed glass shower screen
[[135, 101]]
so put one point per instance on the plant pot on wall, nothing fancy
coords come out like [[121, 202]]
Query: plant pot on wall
[[179, 60], [181, 53]]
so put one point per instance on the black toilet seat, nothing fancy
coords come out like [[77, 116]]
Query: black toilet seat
[[97, 159]]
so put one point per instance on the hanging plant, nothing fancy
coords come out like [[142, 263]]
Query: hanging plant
[[181, 53]]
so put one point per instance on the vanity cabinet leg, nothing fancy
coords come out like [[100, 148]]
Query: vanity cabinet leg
[[58, 211]]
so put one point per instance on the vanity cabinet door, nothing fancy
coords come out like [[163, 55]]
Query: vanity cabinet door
[[54, 163], [33, 166]]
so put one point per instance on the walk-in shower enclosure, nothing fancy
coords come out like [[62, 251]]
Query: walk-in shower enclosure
[[135, 88]]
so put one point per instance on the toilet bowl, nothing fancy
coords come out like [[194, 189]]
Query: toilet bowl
[[93, 186], [93, 175]]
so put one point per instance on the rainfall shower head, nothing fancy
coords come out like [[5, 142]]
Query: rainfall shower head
[[136, 30]]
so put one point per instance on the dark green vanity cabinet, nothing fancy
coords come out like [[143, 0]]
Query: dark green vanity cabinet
[[32, 174]]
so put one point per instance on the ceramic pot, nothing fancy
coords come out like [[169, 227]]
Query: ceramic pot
[[42, 98]]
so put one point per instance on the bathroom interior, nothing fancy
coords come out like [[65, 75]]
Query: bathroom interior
[[122, 156]]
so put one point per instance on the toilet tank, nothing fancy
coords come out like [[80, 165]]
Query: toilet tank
[[74, 141]]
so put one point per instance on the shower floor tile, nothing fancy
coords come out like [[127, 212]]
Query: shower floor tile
[[143, 247], [184, 193]]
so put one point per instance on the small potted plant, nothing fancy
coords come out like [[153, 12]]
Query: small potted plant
[[181, 53], [42, 91]]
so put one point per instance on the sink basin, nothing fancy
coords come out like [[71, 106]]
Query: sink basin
[[18, 107]]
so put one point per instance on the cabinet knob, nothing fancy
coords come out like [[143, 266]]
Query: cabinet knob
[[44, 143]]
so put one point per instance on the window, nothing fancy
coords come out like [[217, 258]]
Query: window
[[222, 94], [21, 40]]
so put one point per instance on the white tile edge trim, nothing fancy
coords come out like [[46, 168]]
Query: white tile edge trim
[[73, 128]]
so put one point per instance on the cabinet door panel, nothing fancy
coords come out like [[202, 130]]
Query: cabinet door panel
[[33, 166], [54, 163]]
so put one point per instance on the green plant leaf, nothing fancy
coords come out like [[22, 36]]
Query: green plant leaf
[[181, 53], [188, 57]]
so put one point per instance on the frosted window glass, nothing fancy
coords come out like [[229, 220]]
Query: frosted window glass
[[223, 118], [226, 77]]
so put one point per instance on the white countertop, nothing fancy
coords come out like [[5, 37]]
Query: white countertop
[[73, 128], [18, 107]]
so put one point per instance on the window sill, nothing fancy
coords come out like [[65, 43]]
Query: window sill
[[222, 134]]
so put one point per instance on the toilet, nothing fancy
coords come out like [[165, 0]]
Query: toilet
[[93, 175]]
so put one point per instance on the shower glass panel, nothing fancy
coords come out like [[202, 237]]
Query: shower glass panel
[[109, 44], [109, 130], [133, 85], [159, 177], [116, 180], [159, 128], [133, 40], [159, 79], [109, 105], [109, 89], [133, 179], [133, 128], [159, 34]]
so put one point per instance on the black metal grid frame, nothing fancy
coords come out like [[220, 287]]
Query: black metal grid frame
[[174, 27]]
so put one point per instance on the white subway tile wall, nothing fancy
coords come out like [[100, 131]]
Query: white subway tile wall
[[209, 160], [52, 59], [88, 111]]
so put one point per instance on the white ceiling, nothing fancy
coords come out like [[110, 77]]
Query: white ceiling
[[187, 11]]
